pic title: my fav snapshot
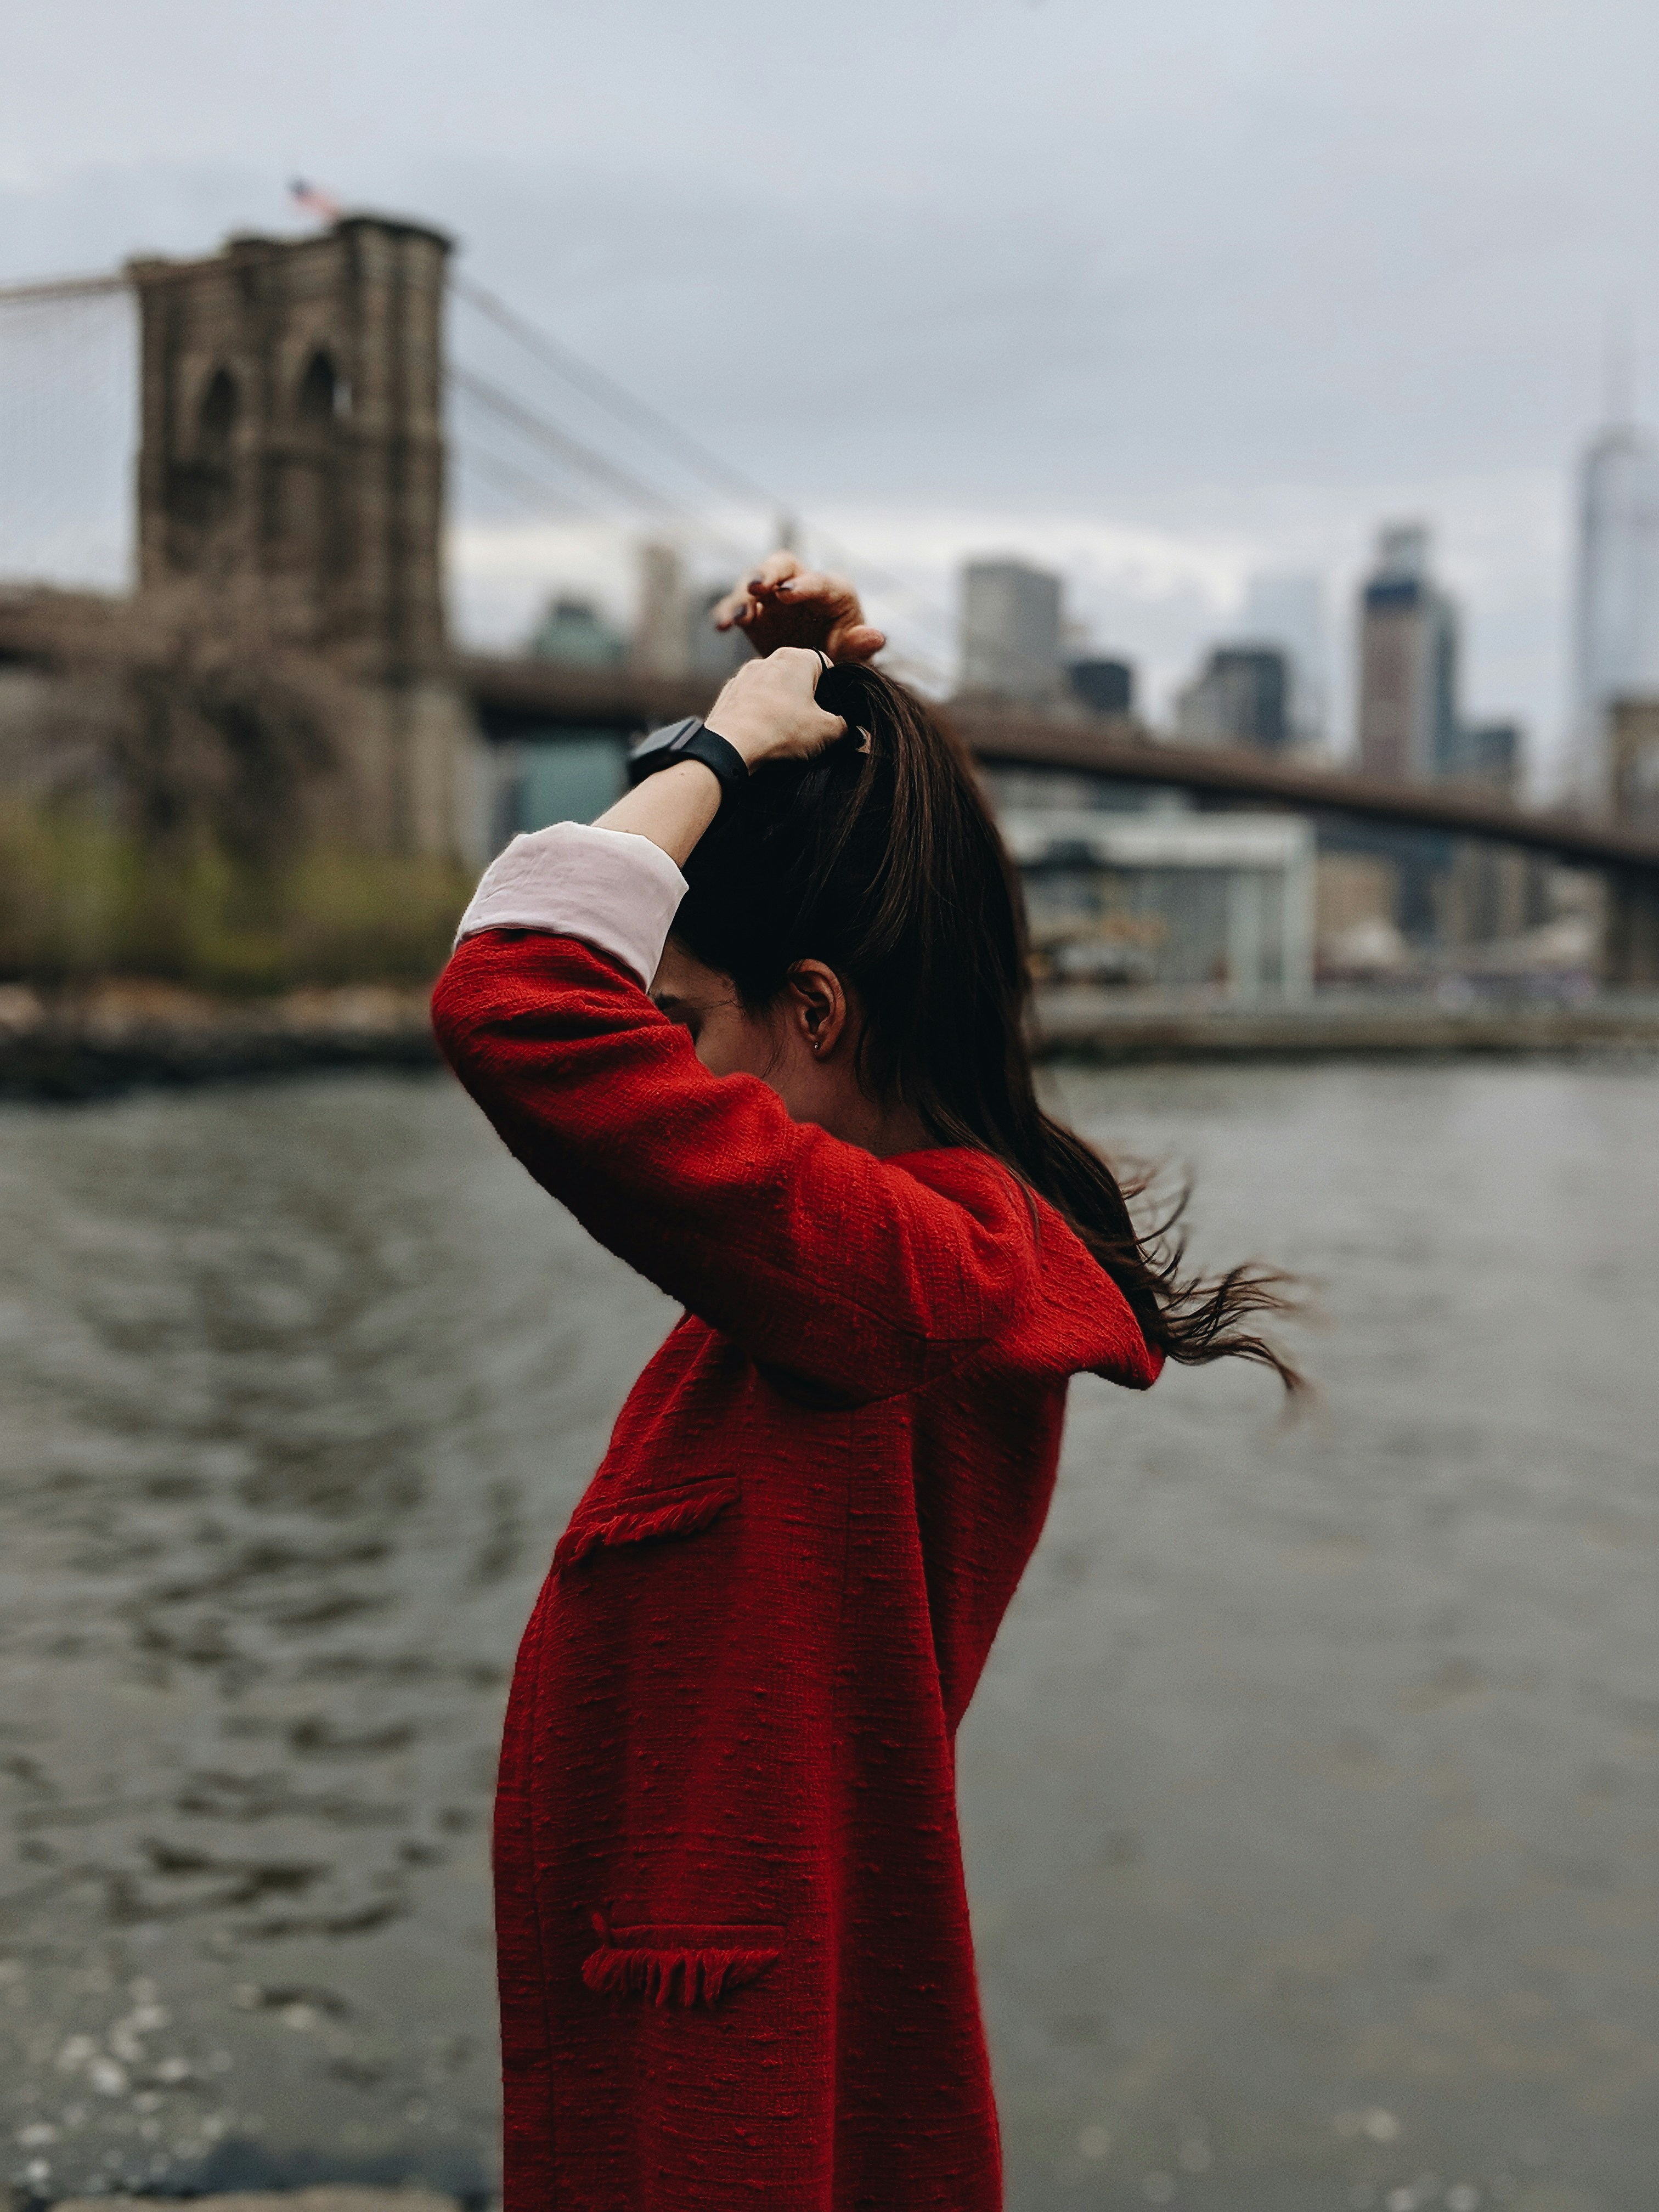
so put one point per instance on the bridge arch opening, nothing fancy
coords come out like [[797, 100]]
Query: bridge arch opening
[[324, 393], [216, 419], [202, 480]]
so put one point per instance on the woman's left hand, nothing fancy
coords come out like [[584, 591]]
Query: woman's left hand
[[769, 711], [783, 604]]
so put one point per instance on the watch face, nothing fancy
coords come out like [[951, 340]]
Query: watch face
[[657, 750]]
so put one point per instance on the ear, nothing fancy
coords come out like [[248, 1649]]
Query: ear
[[817, 1006]]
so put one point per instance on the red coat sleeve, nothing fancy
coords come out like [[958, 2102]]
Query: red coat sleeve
[[809, 1253]]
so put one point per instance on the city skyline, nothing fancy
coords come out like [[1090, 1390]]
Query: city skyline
[[1293, 611]]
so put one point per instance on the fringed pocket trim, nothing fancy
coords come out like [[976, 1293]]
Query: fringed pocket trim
[[675, 1971], [677, 1516]]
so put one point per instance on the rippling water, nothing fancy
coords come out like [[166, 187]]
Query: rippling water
[[1311, 1798]]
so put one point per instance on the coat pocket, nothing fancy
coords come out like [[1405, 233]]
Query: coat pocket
[[685, 1964], [648, 1520]]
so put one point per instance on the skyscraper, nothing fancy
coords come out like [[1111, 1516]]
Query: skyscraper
[[1241, 697], [1409, 725], [1289, 611], [1011, 631], [1616, 645], [662, 628], [1104, 686]]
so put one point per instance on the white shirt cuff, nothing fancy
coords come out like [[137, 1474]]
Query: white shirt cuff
[[615, 891]]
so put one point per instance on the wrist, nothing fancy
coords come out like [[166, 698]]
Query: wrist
[[748, 734], [688, 740]]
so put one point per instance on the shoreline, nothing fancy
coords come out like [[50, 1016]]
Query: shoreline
[[117, 1037], [1091, 1027], [305, 2196]]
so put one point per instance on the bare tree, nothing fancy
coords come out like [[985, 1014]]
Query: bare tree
[[189, 714]]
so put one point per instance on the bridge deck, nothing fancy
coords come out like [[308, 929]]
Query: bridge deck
[[512, 694], [531, 693]]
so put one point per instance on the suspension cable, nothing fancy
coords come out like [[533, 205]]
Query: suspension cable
[[537, 497], [670, 439], [610, 394], [47, 289]]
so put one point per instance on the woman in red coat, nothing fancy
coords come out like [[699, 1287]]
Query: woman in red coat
[[733, 1941]]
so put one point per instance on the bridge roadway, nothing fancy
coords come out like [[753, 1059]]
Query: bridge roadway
[[523, 695], [512, 696]]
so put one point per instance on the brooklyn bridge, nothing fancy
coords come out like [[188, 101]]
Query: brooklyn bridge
[[297, 413]]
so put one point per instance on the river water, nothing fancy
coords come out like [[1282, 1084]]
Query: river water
[[1311, 1799]]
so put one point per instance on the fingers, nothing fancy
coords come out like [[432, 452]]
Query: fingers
[[813, 585], [800, 668], [742, 604], [777, 568], [770, 708], [780, 599], [862, 642], [733, 608]]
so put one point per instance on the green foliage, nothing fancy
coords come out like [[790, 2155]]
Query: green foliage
[[80, 899]]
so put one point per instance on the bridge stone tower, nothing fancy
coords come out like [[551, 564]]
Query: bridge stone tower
[[292, 446]]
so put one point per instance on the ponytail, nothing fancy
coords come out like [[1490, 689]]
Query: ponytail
[[884, 863]]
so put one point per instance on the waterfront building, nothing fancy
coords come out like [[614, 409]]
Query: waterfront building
[[1632, 920], [1634, 748], [1408, 642], [1616, 625], [1011, 632], [1356, 896], [1217, 905], [1490, 892], [1240, 698]]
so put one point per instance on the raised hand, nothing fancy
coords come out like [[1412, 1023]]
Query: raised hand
[[783, 604], [769, 709]]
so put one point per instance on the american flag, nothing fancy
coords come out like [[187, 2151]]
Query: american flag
[[314, 200]]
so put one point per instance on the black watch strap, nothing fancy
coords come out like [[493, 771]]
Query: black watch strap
[[688, 740]]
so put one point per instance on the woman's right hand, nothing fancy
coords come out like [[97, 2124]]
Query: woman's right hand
[[783, 604], [769, 711]]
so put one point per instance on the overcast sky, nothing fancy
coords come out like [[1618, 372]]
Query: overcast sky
[[1164, 293]]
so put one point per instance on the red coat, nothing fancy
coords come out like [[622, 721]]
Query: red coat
[[734, 1951]]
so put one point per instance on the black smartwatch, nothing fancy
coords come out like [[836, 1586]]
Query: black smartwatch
[[688, 740]]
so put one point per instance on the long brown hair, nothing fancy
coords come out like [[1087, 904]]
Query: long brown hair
[[883, 862]]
